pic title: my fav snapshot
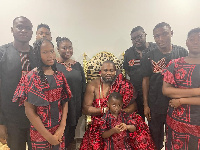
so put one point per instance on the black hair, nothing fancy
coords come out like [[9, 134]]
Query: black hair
[[137, 29], [110, 62], [43, 26], [162, 24], [61, 39], [195, 30], [115, 95], [38, 61], [18, 18]]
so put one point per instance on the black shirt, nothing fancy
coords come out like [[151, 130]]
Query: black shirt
[[152, 65], [10, 75], [132, 64]]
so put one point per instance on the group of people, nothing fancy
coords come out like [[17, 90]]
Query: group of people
[[42, 96]]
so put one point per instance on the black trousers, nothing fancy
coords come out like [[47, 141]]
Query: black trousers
[[156, 126], [69, 135], [140, 106], [17, 137]]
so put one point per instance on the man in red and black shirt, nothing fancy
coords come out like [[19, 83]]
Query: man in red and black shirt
[[15, 61], [131, 64], [155, 103]]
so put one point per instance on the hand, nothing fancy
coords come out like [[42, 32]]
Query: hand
[[175, 103], [53, 140], [117, 129], [123, 127], [3, 134], [147, 113], [59, 133]]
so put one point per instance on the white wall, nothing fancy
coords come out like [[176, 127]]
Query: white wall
[[97, 25]]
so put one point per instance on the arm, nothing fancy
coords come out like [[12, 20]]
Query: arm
[[88, 109], [145, 88], [181, 101], [131, 108], [31, 114], [108, 133], [60, 131], [170, 91]]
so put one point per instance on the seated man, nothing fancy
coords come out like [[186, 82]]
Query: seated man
[[95, 103]]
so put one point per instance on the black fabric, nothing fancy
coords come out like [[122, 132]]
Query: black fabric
[[156, 127], [135, 69], [76, 81], [11, 72], [158, 103], [17, 137]]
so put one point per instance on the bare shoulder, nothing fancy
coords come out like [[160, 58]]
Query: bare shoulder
[[93, 84]]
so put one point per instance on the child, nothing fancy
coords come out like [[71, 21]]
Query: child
[[44, 92], [116, 125]]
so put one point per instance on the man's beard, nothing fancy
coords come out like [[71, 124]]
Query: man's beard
[[110, 80], [141, 48]]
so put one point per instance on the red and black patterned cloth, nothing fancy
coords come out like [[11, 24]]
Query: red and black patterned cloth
[[92, 139], [48, 98], [183, 122], [125, 140]]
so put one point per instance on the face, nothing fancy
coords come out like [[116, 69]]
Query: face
[[43, 33], [48, 54], [65, 49], [162, 37], [115, 106], [139, 39], [193, 43], [22, 30], [108, 72]]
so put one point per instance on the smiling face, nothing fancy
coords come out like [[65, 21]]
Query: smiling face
[[65, 49], [193, 43], [47, 53], [108, 72], [115, 106], [162, 37], [22, 29]]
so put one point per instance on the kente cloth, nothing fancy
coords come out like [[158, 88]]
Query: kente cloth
[[92, 139], [183, 122], [48, 97], [124, 140]]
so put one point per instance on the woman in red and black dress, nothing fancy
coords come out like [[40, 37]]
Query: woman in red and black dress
[[181, 83], [45, 93]]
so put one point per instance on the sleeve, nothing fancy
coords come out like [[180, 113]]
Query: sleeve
[[21, 91], [66, 93], [167, 73], [146, 68], [30, 89], [83, 78], [125, 63]]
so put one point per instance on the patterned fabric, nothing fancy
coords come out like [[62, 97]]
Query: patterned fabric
[[25, 63], [152, 64], [47, 97], [116, 141], [92, 139], [183, 122]]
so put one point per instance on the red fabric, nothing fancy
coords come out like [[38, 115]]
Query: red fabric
[[92, 139], [31, 89]]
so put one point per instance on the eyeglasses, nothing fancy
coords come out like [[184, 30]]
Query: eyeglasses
[[138, 37]]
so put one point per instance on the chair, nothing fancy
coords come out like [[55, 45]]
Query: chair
[[92, 68]]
